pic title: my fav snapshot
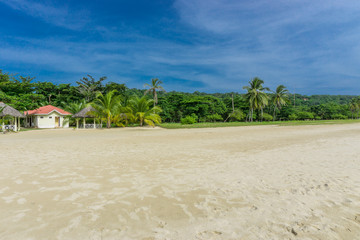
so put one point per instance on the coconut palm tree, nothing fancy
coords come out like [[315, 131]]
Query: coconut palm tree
[[142, 111], [153, 87], [256, 96], [75, 107], [280, 98], [107, 105]]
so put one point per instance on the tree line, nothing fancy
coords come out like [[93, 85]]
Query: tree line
[[117, 104]]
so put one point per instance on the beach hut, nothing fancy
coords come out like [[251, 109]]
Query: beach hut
[[84, 114], [47, 117], [12, 112]]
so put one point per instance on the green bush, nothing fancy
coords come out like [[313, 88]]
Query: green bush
[[318, 118], [188, 120], [236, 116], [202, 119], [305, 116], [267, 117], [339, 116], [293, 116], [214, 117]]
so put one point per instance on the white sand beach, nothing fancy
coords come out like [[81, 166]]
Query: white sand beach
[[263, 182]]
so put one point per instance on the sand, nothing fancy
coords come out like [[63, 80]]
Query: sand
[[263, 182]]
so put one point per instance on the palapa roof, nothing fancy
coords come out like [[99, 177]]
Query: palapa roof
[[9, 111], [84, 113], [46, 110]]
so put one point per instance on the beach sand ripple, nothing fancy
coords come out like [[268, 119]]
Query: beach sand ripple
[[264, 182]]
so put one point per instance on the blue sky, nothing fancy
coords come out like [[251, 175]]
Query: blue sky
[[312, 47]]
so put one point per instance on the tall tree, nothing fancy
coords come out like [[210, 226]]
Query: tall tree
[[280, 98], [107, 105], [153, 88], [256, 96], [88, 86]]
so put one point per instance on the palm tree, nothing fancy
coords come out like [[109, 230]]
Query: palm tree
[[107, 105], [255, 96], [76, 107], [142, 111], [153, 87], [280, 98]]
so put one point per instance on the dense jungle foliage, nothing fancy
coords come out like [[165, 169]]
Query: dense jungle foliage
[[257, 104]]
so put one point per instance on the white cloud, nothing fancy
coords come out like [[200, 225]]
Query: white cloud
[[297, 42], [307, 45], [61, 16]]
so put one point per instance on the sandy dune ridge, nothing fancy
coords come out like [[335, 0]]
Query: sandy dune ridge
[[264, 182]]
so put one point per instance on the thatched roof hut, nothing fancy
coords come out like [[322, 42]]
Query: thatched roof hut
[[9, 111], [85, 113]]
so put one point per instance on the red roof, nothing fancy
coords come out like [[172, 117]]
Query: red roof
[[46, 110]]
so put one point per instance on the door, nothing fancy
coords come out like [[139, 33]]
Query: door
[[57, 121]]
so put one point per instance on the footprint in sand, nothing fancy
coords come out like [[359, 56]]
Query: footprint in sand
[[208, 235]]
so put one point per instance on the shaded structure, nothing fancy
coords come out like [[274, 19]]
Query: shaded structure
[[87, 112], [6, 110]]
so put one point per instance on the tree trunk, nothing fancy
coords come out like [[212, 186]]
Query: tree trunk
[[108, 124], [274, 117]]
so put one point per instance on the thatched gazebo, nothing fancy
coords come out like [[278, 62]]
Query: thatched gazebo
[[85, 113], [12, 112]]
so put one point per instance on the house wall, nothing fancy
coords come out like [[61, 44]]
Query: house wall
[[63, 122], [48, 121]]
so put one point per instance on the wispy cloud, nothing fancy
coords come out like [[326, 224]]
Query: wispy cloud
[[300, 42], [310, 46], [58, 15]]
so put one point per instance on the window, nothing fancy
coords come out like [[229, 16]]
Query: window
[[50, 117], [41, 117]]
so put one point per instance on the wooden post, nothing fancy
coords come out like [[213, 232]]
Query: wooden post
[[94, 124], [84, 121], [19, 127], [77, 123], [15, 124]]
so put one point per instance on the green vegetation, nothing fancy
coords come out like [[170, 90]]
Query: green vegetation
[[107, 105], [153, 88], [117, 105], [280, 98], [142, 111], [256, 96], [237, 124]]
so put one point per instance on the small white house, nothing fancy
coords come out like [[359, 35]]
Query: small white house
[[47, 117]]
